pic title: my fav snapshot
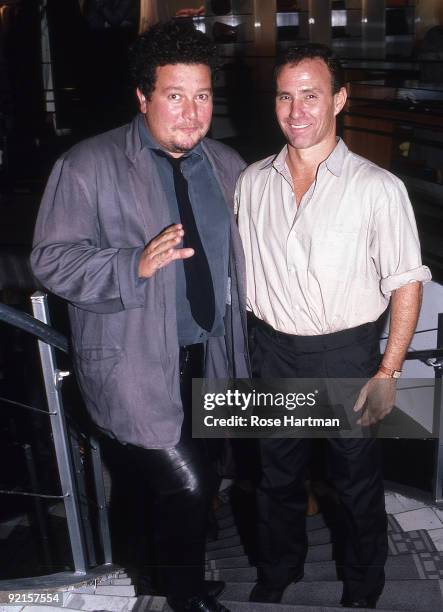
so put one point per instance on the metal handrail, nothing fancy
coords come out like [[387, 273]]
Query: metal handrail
[[80, 534], [10, 402], [426, 356], [33, 326], [434, 359]]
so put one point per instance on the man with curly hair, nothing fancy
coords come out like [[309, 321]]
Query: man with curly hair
[[136, 232]]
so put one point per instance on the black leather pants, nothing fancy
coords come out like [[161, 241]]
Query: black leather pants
[[175, 487]]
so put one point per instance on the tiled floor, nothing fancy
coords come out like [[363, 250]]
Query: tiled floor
[[425, 517], [436, 536], [415, 515], [397, 503]]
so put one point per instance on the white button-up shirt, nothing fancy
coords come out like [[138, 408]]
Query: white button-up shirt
[[332, 263]]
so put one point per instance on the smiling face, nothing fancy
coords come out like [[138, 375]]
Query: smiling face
[[305, 105], [179, 111]]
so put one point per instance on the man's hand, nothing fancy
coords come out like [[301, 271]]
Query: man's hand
[[376, 399], [162, 250]]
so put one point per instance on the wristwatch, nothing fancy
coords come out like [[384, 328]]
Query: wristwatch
[[390, 372]]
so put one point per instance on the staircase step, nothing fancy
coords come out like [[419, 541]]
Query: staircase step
[[319, 552], [84, 589], [408, 595], [116, 581], [315, 522], [233, 557], [158, 604], [314, 593], [414, 595], [224, 523], [229, 562], [315, 537], [313, 572], [147, 603], [319, 536], [57, 609], [316, 528], [100, 602], [246, 606], [37, 609], [227, 532], [221, 543], [402, 567], [231, 551], [312, 522], [224, 511], [116, 589]]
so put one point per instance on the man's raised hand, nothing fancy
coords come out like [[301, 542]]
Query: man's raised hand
[[162, 250]]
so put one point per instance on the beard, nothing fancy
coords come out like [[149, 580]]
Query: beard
[[177, 146]]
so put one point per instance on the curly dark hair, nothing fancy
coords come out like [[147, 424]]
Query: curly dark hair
[[173, 42], [294, 55]]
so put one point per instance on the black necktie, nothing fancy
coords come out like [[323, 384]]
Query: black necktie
[[199, 286]]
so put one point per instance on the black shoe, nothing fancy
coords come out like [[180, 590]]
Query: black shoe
[[261, 593], [364, 602], [198, 603], [145, 586], [214, 587]]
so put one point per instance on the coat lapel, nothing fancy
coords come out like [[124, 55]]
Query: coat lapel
[[146, 186]]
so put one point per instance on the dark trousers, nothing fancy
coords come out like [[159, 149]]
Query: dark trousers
[[175, 487], [354, 465]]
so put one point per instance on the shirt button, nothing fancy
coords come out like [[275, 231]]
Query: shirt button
[[297, 307], [291, 269]]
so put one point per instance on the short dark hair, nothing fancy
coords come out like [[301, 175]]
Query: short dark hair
[[173, 42], [294, 55]]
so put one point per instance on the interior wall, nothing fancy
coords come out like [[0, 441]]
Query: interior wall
[[425, 16]]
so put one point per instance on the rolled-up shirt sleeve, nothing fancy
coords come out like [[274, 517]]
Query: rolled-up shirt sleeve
[[391, 283], [395, 245]]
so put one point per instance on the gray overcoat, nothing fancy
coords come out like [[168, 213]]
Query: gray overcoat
[[103, 203]]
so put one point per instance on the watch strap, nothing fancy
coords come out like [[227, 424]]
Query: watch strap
[[389, 371]]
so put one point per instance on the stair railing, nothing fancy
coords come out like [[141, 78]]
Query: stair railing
[[434, 358], [66, 445]]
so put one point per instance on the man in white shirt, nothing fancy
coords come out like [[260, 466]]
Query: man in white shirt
[[330, 240]]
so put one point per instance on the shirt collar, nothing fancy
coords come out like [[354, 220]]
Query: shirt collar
[[279, 162], [148, 141], [334, 162]]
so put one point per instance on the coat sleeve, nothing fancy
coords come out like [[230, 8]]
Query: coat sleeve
[[66, 256]]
